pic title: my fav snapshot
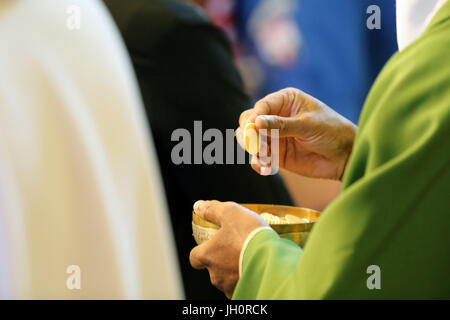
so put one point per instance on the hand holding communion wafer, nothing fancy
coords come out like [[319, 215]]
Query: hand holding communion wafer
[[314, 140]]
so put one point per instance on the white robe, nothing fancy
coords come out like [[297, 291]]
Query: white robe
[[79, 181], [413, 16]]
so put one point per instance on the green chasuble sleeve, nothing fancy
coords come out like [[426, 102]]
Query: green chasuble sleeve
[[394, 208]]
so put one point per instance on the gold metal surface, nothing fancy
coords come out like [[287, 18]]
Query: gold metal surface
[[297, 232]]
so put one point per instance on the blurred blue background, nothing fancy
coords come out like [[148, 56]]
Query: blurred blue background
[[322, 47]]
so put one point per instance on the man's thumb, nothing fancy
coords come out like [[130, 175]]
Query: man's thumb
[[287, 126]]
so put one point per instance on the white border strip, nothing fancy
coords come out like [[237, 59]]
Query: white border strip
[[244, 247]]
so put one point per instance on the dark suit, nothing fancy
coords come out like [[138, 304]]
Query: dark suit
[[185, 71]]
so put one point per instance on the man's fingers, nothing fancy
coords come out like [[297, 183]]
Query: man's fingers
[[262, 169], [197, 257], [275, 111], [240, 137], [255, 164], [277, 103], [209, 210], [273, 104], [286, 126], [261, 107], [244, 116]]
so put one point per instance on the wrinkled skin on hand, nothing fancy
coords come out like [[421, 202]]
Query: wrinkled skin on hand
[[220, 254], [314, 141]]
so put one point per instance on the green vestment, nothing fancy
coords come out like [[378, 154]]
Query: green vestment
[[394, 208]]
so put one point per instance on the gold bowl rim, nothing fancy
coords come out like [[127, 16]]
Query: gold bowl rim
[[310, 214]]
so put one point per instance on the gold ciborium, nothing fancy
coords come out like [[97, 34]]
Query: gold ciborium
[[297, 232]]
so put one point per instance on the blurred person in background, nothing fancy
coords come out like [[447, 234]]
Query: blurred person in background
[[184, 66], [296, 42], [82, 208], [321, 46]]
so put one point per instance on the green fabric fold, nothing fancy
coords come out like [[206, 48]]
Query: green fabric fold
[[393, 210]]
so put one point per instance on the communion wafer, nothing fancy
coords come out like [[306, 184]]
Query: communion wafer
[[288, 219], [294, 219], [270, 218], [251, 139]]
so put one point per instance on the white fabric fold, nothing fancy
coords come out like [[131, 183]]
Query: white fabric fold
[[413, 16], [79, 179]]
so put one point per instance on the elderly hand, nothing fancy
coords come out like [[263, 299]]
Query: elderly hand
[[314, 140], [220, 254]]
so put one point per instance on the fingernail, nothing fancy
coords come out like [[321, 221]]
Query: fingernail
[[197, 205], [264, 121], [265, 171]]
